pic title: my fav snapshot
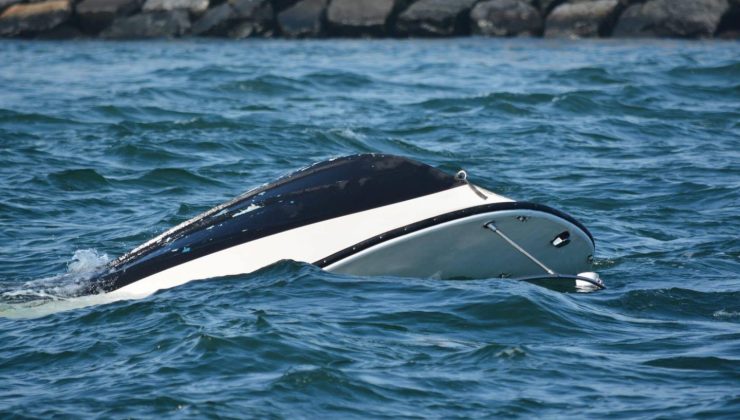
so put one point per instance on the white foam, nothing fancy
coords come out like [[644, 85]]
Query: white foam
[[722, 313], [86, 262], [39, 308], [53, 294]]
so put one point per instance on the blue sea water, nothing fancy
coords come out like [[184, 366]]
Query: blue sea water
[[104, 145]]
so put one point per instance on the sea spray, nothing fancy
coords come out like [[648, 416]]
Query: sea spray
[[85, 264]]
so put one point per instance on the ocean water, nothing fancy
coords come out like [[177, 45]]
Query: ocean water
[[104, 145]]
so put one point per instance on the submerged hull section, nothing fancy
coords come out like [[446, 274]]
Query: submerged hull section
[[364, 215]]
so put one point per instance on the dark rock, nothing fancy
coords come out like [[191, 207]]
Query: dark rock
[[505, 18], [305, 18], [256, 10], [729, 26], [281, 5], [581, 19], [362, 18], [729, 34], [195, 7], [547, 6], [245, 30], [252, 18], [64, 31], [436, 18], [672, 18], [149, 25], [215, 21], [95, 15], [21, 19], [237, 19]]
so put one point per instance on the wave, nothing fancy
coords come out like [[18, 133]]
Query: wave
[[723, 71], [334, 79], [677, 303], [10, 117], [174, 176], [496, 99], [37, 297], [267, 85], [86, 179], [697, 363]]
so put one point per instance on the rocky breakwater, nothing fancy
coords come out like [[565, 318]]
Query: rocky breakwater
[[124, 19]]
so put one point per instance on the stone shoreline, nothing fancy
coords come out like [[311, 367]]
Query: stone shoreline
[[131, 19]]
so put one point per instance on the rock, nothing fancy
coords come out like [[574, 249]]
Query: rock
[[256, 10], [21, 19], [729, 34], [7, 3], [64, 31], [729, 26], [582, 19], [436, 18], [252, 18], [672, 18], [95, 15], [281, 5], [305, 18], [149, 25], [505, 18], [215, 21], [361, 18], [195, 7], [244, 30], [547, 6], [237, 19]]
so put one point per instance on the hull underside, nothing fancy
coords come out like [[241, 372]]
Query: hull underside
[[465, 248]]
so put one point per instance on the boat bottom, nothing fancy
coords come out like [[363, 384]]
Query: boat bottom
[[533, 242]]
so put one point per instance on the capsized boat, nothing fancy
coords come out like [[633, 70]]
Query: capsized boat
[[368, 215]]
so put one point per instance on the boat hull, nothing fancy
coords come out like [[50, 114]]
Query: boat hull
[[465, 248], [387, 241], [360, 215]]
